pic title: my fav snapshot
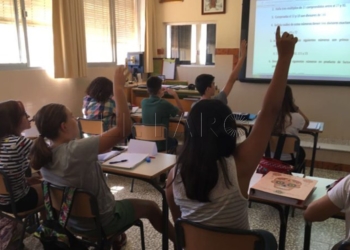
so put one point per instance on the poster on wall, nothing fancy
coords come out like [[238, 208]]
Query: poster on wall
[[213, 7]]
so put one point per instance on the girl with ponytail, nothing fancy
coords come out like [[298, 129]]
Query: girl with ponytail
[[72, 162]]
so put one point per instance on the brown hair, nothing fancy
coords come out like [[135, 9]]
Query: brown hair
[[288, 107], [154, 84], [48, 121], [101, 88], [11, 113]]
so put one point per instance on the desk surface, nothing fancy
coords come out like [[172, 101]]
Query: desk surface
[[160, 164]]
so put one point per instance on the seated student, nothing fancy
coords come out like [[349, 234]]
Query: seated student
[[212, 171], [98, 103], [14, 151], [74, 163], [206, 86], [156, 110], [290, 121], [336, 200]]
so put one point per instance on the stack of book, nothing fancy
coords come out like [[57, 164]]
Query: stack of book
[[283, 189]]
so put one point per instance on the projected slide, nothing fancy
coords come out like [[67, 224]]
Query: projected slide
[[323, 30]]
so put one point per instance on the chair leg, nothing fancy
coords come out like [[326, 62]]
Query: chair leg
[[23, 234], [293, 210], [139, 223], [132, 185]]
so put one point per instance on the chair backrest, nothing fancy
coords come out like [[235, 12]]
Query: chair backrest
[[291, 144], [193, 236], [84, 204], [3, 186], [89, 126], [149, 132]]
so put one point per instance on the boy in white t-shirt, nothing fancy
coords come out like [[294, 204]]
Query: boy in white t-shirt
[[336, 200]]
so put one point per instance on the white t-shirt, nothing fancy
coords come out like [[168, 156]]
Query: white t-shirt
[[340, 196], [292, 128]]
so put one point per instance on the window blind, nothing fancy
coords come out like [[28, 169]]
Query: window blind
[[10, 44], [39, 32], [98, 31], [126, 28]]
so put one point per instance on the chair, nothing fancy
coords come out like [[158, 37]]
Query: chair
[[85, 206], [149, 133], [193, 236], [24, 217], [286, 144], [90, 126], [342, 245]]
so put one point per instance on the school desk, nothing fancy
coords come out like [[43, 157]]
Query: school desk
[[148, 172]]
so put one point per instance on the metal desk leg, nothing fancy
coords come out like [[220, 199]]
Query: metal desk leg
[[165, 237], [307, 235], [315, 135]]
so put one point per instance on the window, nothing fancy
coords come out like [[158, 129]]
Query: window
[[27, 26], [192, 43], [111, 30]]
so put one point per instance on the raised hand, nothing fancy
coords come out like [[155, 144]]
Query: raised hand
[[120, 75], [171, 92], [285, 44], [243, 48]]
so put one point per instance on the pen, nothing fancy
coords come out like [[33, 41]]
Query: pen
[[114, 162]]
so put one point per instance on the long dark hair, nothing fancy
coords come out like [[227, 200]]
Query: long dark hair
[[48, 121], [101, 88], [288, 107], [210, 135], [11, 114]]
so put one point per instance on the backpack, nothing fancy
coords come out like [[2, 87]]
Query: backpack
[[52, 232]]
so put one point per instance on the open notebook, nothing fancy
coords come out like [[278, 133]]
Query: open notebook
[[104, 157], [132, 160]]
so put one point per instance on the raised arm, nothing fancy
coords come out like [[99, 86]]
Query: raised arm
[[123, 127], [249, 153], [235, 72], [177, 100]]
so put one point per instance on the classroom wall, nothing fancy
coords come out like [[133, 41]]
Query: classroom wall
[[36, 88], [320, 103]]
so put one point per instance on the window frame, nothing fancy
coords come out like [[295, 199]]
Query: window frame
[[21, 16], [138, 10], [168, 41]]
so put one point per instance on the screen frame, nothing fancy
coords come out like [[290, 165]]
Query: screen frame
[[242, 75]]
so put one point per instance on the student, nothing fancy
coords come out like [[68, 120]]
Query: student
[[157, 111], [210, 181], [74, 163], [14, 151], [206, 86], [336, 200], [98, 103], [290, 121]]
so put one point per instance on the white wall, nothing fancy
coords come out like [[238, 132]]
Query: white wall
[[319, 103]]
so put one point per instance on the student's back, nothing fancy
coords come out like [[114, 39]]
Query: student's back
[[98, 103]]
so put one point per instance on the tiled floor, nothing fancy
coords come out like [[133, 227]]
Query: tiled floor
[[324, 234]]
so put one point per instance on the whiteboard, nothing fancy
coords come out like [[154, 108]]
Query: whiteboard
[[169, 67]]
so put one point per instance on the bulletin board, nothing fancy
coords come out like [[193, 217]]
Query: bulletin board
[[169, 67]]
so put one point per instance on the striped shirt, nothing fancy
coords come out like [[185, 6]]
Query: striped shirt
[[100, 111], [228, 208], [14, 162]]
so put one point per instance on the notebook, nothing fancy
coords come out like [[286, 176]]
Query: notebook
[[132, 160], [314, 125], [104, 157], [134, 110]]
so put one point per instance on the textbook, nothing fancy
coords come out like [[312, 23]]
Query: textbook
[[283, 188]]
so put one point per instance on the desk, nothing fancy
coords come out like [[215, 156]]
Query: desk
[[284, 209], [311, 131], [148, 172]]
